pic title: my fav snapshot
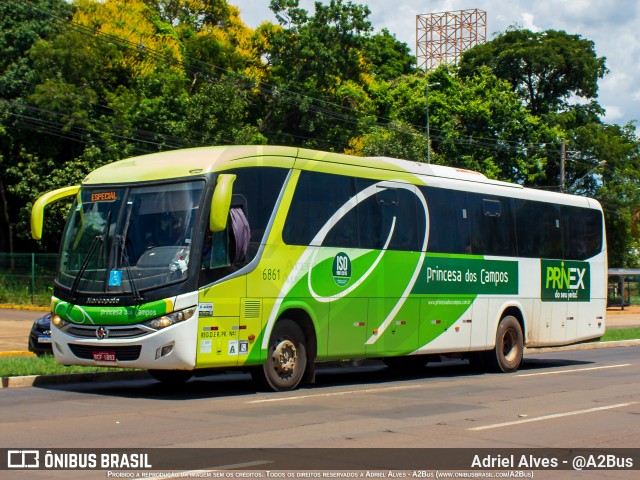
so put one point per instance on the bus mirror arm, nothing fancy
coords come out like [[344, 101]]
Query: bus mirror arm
[[37, 211], [221, 202]]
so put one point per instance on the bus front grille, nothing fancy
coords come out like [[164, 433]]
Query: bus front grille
[[89, 331]]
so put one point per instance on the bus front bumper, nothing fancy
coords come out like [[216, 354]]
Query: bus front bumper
[[171, 348]]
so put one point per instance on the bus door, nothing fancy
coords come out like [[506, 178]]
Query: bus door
[[219, 324]]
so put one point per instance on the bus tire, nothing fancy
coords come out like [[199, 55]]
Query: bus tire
[[171, 377], [286, 359], [507, 354]]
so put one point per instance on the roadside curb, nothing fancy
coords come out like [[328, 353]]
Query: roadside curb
[[584, 346], [45, 380], [16, 353], [36, 308]]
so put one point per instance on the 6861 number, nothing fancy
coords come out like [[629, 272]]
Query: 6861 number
[[271, 274]]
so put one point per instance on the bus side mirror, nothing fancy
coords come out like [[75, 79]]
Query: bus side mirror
[[221, 202], [37, 211]]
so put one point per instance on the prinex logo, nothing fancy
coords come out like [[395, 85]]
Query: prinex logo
[[564, 281], [561, 277], [341, 269]]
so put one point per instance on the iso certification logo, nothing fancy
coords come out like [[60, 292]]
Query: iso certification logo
[[23, 459], [341, 269]]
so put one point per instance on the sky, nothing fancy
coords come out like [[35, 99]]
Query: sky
[[611, 24]]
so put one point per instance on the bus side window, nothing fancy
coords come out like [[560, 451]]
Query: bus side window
[[492, 225], [538, 229], [593, 232], [390, 208], [317, 198], [256, 191], [581, 232], [217, 245], [448, 221]]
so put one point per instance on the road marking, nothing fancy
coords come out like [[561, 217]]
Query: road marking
[[411, 387], [336, 394], [573, 370], [555, 415]]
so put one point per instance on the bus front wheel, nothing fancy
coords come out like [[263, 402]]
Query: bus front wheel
[[507, 354], [286, 359]]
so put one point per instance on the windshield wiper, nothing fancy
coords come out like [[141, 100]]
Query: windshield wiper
[[85, 263], [127, 267], [83, 267], [124, 252]]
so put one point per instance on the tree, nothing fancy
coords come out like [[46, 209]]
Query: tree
[[217, 114], [22, 24], [389, 57], [544, 68], [80, 75], [397, 140], [604, 163], [195, 13], [476, 123]]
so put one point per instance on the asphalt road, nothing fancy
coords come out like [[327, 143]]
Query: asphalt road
[[576, 399]]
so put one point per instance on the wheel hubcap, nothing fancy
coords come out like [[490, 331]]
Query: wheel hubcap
[[285, 357], [509, 342]]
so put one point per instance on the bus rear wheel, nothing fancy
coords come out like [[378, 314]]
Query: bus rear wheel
[[507, 354], [286, 359]]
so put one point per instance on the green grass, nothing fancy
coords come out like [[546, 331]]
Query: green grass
[[21, 295], [44, 365], [616, 334]]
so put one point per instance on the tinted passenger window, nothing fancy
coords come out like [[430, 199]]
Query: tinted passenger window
[[317, 197], [593, 232], [581, 233], [387, 209], [256, 191], [448, 221], [492, 225], [538, 229]]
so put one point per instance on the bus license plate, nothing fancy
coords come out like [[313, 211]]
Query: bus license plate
[[104, 356]]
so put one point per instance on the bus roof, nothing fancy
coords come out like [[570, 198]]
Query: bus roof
[[180, 163], [197, 161]]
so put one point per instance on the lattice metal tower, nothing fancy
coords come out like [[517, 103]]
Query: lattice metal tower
[[443, 37]]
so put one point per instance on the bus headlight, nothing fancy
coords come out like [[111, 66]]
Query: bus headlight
[[58, 321], [170, 319]]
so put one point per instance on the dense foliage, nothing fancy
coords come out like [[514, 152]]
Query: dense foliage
[[89, 82]]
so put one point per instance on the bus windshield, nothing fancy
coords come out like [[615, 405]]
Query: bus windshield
[[125, 240]]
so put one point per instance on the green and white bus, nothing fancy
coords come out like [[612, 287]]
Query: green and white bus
[[271, 259]]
